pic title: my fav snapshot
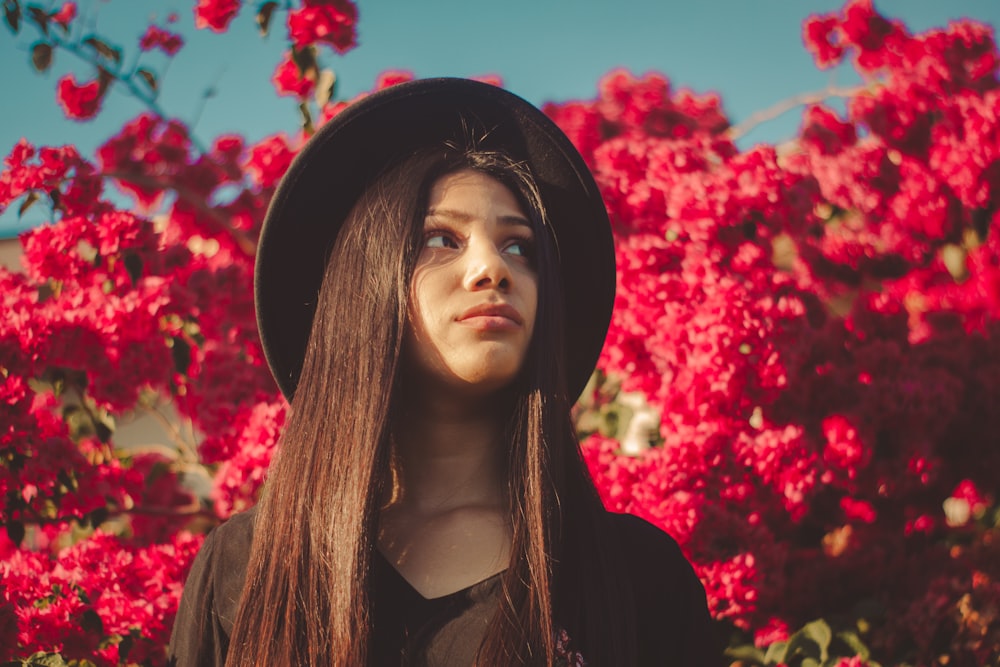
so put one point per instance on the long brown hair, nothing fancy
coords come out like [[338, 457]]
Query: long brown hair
[[305, 600]]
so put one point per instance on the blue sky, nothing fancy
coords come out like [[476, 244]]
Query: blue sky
[[748, 51]]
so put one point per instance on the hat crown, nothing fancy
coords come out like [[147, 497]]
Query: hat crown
[[347, 154]]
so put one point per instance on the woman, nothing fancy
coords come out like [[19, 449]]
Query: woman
[[434, 281]]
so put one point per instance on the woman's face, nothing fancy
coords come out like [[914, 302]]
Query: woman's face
[[474, 292]]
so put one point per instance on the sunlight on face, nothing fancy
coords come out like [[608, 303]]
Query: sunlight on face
[[474, 293]]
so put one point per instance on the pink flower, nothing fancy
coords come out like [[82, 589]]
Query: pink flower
[[391, 78], [65, 14], [79, 102], [332, 22], [820, 37], [215, 14], [269, 159], [858, 510], [844, 448], [156, 37], [824, 132], [288, 79]]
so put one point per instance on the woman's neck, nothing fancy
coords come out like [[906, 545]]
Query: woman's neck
[[448, 454]]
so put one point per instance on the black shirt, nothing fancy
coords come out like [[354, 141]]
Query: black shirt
[[673, 627], [415, 631]]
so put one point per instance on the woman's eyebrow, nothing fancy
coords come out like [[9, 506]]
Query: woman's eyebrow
[[464, 217]]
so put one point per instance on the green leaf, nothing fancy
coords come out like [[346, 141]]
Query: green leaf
[[133, 264], [42, 659], [746, 653], [81, 594], [305, 60], [26, 204], [40, 17], [67, 480], [150, 78], [181, 352], [854, 644], [104, 49], [307, 121], [97, 517], [809, 662], [264, 15], [104, 78], [12, 15], [326, 84], [776, 653], [15, 531], [104, 426], [41, 56], [802, 644], [981, 222], [819, 631], [125, 647], [91, 622]]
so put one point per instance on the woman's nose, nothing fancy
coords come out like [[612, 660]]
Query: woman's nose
[[485, 267]]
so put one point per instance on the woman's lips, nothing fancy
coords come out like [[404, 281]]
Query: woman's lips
[[492, 316]]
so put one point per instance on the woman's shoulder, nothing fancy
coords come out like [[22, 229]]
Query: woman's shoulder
[[673, 624], [645, 545], [661, 577], [231, 539], [227, 551], [211, 595]]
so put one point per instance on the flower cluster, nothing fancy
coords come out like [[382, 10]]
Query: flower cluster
[[65, 15], [215, 14], [815, 324], [79, 101], [332, 22], [158, 38], [101, 599], [817, 327], [289, 79]]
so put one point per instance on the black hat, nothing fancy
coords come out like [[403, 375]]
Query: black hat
[[336, 165]]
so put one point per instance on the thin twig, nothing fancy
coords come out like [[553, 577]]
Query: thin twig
[[185, 449], [784, 106], [117, 74]]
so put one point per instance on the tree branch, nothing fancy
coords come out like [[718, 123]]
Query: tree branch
[[185, 450], [784, 106], [116, 73]]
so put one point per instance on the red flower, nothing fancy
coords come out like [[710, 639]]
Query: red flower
[[269, 159], [392, 77], [288, 80], [66, 14], [967, 491], [824, 132], [772, 631], [868, 30], [79, 102], [331, 21], [858, 510], [155, 37], [215, 14], [818, 37], [844, 448]]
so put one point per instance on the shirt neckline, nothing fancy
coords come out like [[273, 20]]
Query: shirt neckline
[[461, 592]]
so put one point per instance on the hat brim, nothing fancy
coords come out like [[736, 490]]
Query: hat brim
[[336, 165]]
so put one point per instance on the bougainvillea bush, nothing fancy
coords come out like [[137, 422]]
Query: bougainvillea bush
[[801, 382]]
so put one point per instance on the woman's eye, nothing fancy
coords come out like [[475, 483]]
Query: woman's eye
[[440, 241], [520, 248]]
